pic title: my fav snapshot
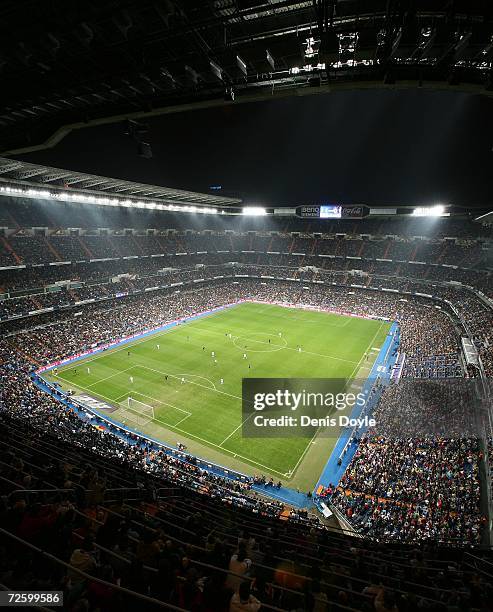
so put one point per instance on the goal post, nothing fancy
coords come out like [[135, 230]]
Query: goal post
[[136, 411]]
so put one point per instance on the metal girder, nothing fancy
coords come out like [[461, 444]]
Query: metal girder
[[85, 184], [122, 188], [150, 192], [35, 176], [114, 186], [8, 166], [30, 173], [75, 179], [137, 191], [54, 176]]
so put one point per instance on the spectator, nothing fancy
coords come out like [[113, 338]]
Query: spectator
[[243, 600]]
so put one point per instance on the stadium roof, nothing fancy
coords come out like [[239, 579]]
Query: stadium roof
[[67, 66], [31, 180], [20, 179], [486, 219]]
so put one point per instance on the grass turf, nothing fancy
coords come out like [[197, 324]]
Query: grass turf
[[205, 414]]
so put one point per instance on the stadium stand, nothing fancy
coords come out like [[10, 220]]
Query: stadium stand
[[341, 241], [100, 515]]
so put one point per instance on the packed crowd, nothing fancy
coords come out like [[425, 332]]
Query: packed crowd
[[415, 475], [21, 398], [473, 311], [35, 213], [15, 281], [200, 565], [34, 249], [75, 333], [64, 297], [426, 331], [434, 366], [403, 484], [114, 538], [477, 316], [273, 256]]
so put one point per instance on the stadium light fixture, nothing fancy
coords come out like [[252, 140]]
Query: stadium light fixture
[[254, 211], [216, 70], [241, 65], [430, 211], [103, 200]]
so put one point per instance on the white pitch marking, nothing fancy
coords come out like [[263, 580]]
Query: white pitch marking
[[235, 430], [192, 382], [288, 348], [110, 376], [363, 356]]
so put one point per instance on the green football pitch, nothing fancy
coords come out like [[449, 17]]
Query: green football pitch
[[181, 381]]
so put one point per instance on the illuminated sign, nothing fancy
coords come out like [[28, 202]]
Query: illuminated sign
[[312, 212], [330, 212]]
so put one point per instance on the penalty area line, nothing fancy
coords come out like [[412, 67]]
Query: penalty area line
[[213, 389], [206, 442], [236, 429], [111, 376]]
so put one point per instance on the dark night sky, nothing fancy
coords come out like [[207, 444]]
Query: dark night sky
[[374, 147]]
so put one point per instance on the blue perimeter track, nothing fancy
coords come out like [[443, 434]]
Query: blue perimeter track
[[382, 368]]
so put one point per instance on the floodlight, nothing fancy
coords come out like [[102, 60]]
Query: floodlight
[[430, 211], [254, 211], [103, 200]]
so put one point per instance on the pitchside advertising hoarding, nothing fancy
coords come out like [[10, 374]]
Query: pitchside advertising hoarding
[[332, 211]]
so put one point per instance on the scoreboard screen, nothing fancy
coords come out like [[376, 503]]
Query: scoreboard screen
[[330, 212]]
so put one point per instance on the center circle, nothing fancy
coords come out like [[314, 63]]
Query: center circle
[[259, 343]]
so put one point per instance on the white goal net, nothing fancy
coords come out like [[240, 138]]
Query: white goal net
[[136, 411]]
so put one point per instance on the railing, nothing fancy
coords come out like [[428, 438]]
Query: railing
[[119, 494], [49, 557], [305, 577], [227, 572], [139, 597], [54, 490], [268, 568], [479, 564]]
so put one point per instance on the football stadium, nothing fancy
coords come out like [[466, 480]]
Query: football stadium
[[246, 306]]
